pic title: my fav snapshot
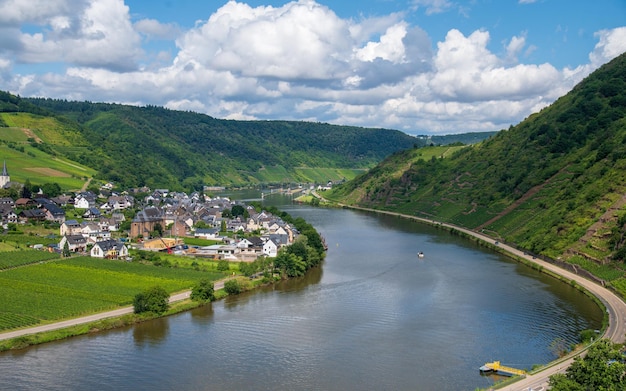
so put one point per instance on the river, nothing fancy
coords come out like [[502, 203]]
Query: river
[[374, 316]]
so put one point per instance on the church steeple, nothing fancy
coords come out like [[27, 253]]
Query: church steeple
[[4, 178]]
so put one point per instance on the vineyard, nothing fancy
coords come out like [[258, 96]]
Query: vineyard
[[45, 292], [11, 259]]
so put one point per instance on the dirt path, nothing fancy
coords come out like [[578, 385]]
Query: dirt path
[[30, 134], [86, 185]]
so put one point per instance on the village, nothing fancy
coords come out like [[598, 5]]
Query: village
[[111, 223]]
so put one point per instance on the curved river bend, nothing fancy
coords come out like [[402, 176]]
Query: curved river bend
[[373, 317]]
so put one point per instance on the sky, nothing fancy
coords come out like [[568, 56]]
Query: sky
[[419, 66]]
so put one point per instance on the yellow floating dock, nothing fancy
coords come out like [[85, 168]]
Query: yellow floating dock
[[499, 368]]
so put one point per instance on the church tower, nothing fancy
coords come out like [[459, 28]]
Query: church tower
[[4, 178]]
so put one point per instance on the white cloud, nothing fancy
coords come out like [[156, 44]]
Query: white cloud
[[17, 12], [433, 6], [97, 33], [467, 71], [611, 44], [390, 47], [298, 61], [515, 47], [302, 40], [155, 29]]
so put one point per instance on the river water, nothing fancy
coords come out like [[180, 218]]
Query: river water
[[374, 316]]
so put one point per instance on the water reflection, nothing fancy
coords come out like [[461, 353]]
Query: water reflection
[[202, 315], [151, 333]]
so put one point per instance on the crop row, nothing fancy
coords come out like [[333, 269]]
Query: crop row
[[10, 321], [9, 259], [79, 286]]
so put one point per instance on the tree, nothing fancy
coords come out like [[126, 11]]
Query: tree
[[26, 190], [155, 299], [223, 266], [203, 291], [157, 231], [51, 189], [289, 264], [601, 369], [201, 224], [232, 287], [238, 210], [247, 268], [66, 250]]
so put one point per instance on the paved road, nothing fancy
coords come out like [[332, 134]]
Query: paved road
[[92, 318]]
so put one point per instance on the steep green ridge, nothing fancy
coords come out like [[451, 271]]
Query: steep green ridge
[[554, 184]]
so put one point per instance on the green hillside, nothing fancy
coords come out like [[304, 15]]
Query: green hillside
[[554, 184], [157, 147], [24, 146]]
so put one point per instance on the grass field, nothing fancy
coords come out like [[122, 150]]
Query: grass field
[[45, 292]]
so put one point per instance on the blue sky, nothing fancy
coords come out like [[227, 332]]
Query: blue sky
[[420, 66]]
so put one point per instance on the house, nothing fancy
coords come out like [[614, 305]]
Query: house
[[207, 233], [7, 201], [54, 213], [270, 249], [25, 203], [8, 215], [117, 202], [62, 200], [109, 224], [219, 251], [85, 200], [75, 243], [93, 233], [70, 227], [109, 249], [92, 214], [32, 215], [253, 241]]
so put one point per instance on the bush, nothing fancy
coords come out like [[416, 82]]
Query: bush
[[155, 299], [232, 287], [203, 291]]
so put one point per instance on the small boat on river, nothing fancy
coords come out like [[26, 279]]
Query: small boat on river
[[420, 254]]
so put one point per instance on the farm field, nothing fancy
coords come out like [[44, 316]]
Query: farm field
[[11, 259], [56, 290]]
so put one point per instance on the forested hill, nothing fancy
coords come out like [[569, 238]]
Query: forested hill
[[153, 146], [553, 184]]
